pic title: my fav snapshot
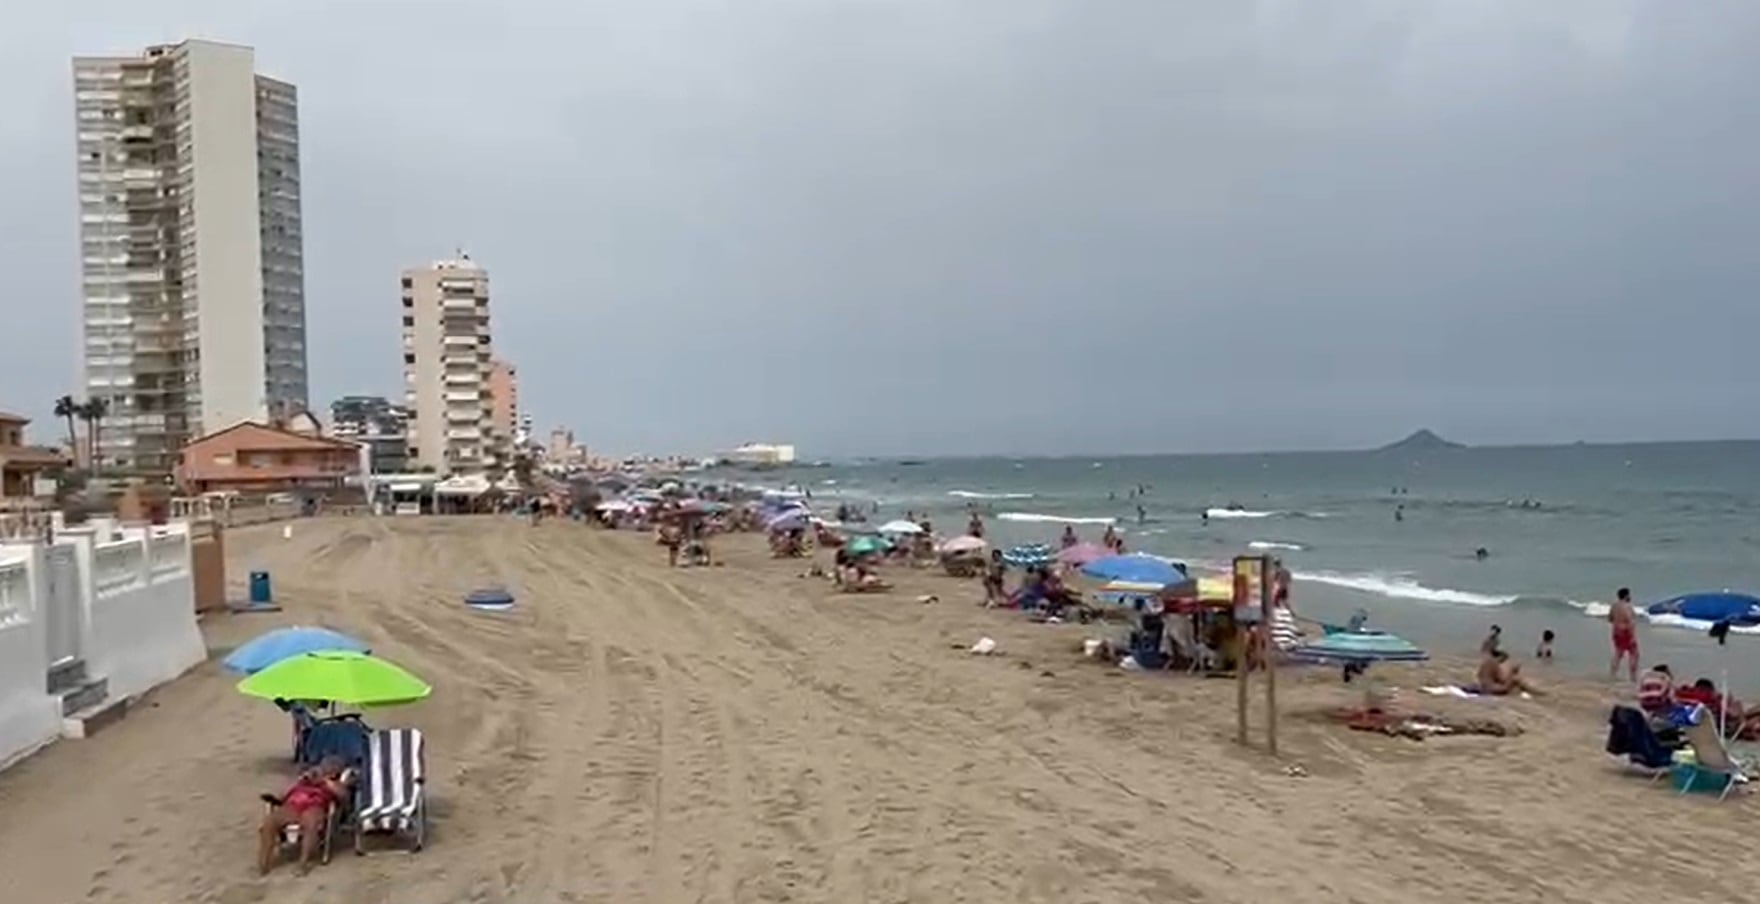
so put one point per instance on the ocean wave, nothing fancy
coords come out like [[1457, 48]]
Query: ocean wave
[[1036, 518], [1252, 513], [1275, 544], [1238, 513], [1694, 624], [970, 494], [1397, 587]]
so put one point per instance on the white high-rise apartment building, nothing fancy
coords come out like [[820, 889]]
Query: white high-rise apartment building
[[189, 198], [447, 361]]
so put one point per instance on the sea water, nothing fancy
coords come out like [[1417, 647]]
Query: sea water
[[1395, 532]]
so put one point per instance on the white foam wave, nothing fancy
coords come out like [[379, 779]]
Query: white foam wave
[[1275, 544], [1396, 587], [1238, 513], [970, 494], [1694, 624], [1036, 518]]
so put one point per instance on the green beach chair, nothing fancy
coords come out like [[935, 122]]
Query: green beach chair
[[1713, 770]]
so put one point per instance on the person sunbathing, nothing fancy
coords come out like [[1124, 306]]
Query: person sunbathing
[[1498, 677], [306, 805]]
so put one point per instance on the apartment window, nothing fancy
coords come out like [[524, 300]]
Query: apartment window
[[409, 358], [409, 302], [408, 283], [409, 321]]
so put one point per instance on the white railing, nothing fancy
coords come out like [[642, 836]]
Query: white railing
[[15, 594], [117, 566], [167, 554]]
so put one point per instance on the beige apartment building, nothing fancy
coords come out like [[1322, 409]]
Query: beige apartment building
[[448, 367], [191, 249], [504, 405]]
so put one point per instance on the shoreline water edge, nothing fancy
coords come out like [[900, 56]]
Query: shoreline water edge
[[1395, 534]]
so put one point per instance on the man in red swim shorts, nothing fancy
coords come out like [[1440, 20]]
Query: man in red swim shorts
[[1625, 633]]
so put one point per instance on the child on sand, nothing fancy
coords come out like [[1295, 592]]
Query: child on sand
[[1544, 651]]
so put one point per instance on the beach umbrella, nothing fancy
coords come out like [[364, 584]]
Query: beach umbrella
[[1032, 555], [345, 677], [863, 546], [901, 526], [1727, 606], [1135, 567], [964, 545], [1082, 553], [285, 643], [793, 519], [1359, 646]]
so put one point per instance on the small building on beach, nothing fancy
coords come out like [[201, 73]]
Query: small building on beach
[[21, 464], [254, 458]]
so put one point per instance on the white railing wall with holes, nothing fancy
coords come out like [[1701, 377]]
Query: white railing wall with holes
[[29, 715], [131, 618], [142, 603]]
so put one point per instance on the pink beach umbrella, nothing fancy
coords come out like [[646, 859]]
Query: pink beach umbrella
[[1082, 553]]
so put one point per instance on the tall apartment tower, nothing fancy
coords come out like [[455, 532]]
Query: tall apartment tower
[[447, 362], [194, 288], [504, 405]]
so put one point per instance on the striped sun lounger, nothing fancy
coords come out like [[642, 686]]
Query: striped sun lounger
[[392, 794]]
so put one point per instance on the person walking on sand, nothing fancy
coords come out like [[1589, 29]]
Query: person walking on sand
[[1625, 633]]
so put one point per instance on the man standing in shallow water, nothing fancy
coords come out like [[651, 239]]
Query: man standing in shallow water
[[1625, 633]]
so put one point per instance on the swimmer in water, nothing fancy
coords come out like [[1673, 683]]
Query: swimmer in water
[[1481, 553]]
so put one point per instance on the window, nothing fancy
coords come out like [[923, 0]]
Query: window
[[409, 358], [409, 302], [223, 458], [408, 283], [409, 321]]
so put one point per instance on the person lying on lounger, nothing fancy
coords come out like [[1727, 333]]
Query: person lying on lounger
[[307, 805], [1498, 677]]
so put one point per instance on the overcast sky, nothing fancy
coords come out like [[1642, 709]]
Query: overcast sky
[[1017, 226]]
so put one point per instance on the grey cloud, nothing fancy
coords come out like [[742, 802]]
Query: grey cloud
[[1021, 227]]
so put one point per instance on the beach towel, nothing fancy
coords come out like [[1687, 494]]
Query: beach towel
[[390, 795], [1464, 692], [1284, 633]]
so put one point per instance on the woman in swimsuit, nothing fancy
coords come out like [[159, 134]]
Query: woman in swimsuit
[[307, 805]]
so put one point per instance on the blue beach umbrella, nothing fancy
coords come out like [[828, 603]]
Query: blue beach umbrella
[[1136, 569], [286, 643], [1735, 608], [1034, 555], [1365, 646]]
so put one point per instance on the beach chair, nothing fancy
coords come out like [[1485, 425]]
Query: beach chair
[[343, 736], [391, 793], [334, 816], [1713, 768]]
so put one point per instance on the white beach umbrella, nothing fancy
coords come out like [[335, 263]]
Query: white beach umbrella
[[900, 526]]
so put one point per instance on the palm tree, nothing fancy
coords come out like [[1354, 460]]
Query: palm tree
[[93, 413], [68, 409]]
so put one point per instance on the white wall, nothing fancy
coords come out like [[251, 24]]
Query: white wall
[[143, 613], [139, 623], [228, 241], [29, 716]]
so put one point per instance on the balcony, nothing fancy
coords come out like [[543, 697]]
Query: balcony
[[472, 414], [463, 378], [458, 304], [464, 433], [467, 395]]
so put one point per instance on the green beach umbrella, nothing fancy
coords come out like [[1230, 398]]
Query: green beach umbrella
[[863, 546], [339, 676]]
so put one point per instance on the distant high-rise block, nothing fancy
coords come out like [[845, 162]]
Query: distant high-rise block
[[194, 288], [447, 367]]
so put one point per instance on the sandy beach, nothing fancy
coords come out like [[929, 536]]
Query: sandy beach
[[741, 733]]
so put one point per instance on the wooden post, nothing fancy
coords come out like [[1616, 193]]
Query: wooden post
[[1266, 578], [1240, 646]]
